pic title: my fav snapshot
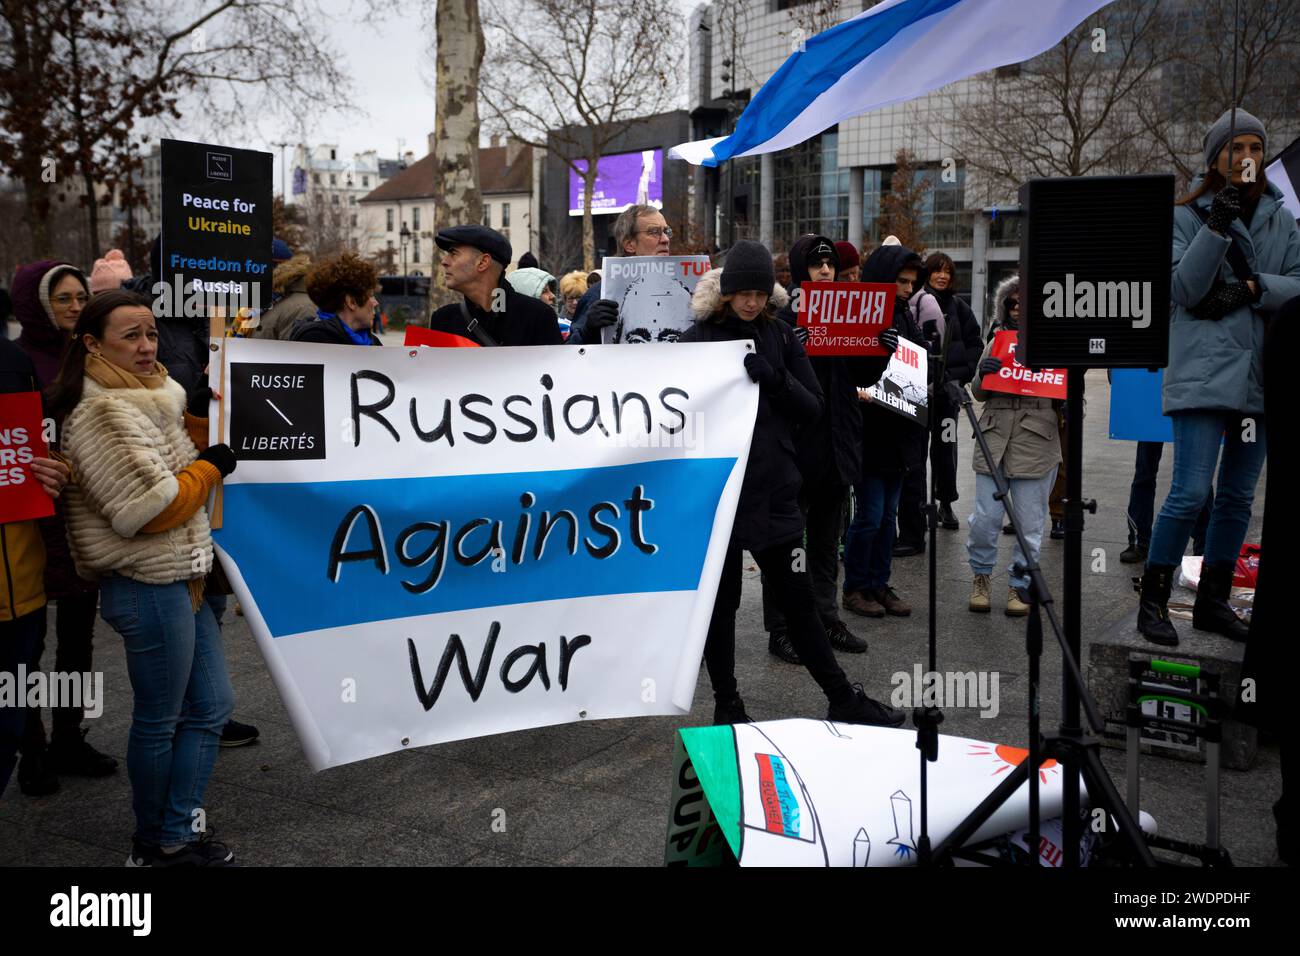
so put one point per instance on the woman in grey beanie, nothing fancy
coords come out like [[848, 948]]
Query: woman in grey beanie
[[1236, 260]]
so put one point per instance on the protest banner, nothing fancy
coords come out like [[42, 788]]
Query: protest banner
[[653, 295], [818, 793], [21, 442], [1135, 406], [415, 335], [1015, 379], [846, 318], [216, 230], [902, 388], [430, 545]]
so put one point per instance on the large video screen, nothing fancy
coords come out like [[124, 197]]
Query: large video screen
[[622, 180]]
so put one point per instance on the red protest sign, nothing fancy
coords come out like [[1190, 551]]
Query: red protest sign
[[1015, 379], [21, 495], [846, 318], [415, 335]]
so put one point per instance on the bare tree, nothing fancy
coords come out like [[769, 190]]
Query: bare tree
[[579, 73], [1073, 111], [901, 209], [458, 57], [77, 77]]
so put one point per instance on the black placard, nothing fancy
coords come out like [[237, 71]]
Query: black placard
[[216, 226], [277, 411]]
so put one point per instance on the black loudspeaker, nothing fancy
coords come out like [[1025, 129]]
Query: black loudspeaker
[[1095, 261]]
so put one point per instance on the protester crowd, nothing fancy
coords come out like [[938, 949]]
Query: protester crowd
[[830, 471]]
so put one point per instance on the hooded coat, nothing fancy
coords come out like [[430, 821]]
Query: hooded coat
[[44, 343], [41, 339], [1219, 365], [885, 433], [830, 449], [964, 344], [290, 282], [1023, 432], [531, 282], [767, 513]]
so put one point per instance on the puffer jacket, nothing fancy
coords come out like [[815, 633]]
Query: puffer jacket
[[767, 513], [22, 552], [830, 449], [1022, 431], [290, 283], [1218, 365], [44, 344], [531, 282], [125, 446]]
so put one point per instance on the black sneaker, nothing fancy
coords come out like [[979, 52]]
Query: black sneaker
[[947, 520], [235, 734], [907, 550], [1008, 529], [80, 759], [142, 854], [204, 852], [35, 777], [778, 644], [842, 639], [1133, 554], [1058, 529], [730, 711], [861, 709]]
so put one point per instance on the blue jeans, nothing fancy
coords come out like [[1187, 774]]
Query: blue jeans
[[1196, 452], [1029, 502], [183, 699], [1142, 499], [869, 550]]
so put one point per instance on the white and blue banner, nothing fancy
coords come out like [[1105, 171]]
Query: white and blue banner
[[435, 544], [896, 51], [1284, 172]]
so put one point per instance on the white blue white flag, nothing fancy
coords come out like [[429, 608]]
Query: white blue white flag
[[896, 51], [1284, 173]]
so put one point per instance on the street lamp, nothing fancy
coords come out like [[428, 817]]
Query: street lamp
[[406, 237]]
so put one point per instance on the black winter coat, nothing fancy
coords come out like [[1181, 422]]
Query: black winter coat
[[830, 449], [524, 321], [325, 331], [885, 434], [768, 511], [964, 343]]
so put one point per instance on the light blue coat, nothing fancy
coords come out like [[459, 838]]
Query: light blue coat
[[1219, 365]]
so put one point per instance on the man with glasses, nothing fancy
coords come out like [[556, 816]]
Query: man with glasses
[[639, 230]]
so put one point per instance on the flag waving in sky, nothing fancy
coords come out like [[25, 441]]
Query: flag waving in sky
[[898, 50]]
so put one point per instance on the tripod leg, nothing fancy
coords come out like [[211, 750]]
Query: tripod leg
[[1103, 794], [966, 829]]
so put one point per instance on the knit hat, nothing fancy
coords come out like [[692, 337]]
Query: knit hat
[[280, 251], [748, 267], [109, 272], [848, 254], [1217, 136], [823, 250], [528, 261]]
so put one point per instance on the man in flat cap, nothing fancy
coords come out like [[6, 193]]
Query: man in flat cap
[[475, 259]]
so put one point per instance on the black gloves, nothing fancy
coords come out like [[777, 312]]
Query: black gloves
[[990, 366], [1223, 298], [200, 398], [220, 457], [956, 394], [760, 370], [602, 313], [889, 339], [801, 334], [1225, 208]]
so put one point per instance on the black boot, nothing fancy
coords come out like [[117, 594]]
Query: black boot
[[947, 519], [1135, 553], [730, 711], [75, 756], [1153, 607], [35, 778], [1212, 612]]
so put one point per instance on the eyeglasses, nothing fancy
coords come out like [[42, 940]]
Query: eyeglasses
[[657, 231], [1013, 303], [66, 299]]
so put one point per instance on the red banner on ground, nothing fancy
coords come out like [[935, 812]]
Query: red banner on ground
[[1015, 379], [21, 496], [846, 318], [415, 335]]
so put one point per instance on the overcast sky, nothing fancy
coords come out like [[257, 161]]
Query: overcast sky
[[388, 61]]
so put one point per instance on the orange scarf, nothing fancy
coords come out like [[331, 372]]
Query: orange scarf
[[114, 376]]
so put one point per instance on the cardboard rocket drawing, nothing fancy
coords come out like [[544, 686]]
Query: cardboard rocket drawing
[[653, 295], [818, 793]]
